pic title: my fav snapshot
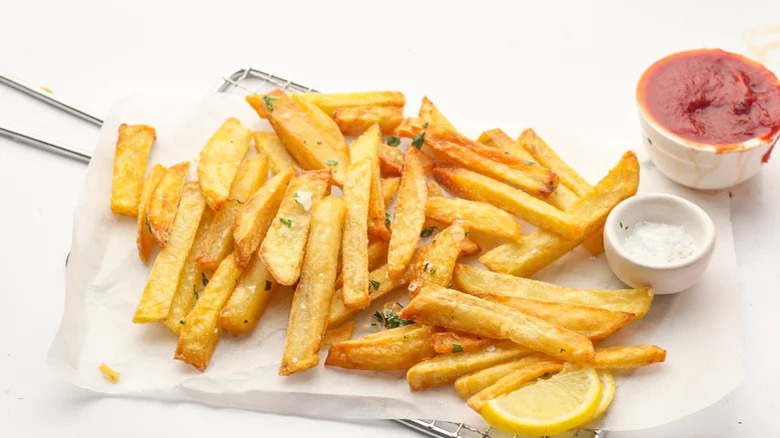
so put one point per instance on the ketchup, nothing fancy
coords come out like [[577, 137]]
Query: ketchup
[[712, 97]]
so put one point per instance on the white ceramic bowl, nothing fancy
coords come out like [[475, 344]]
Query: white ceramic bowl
[[662, 208]]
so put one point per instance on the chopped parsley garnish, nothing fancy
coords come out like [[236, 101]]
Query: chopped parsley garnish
[[418, 140], [331, 163], [268, 285], [563, 350], [425, 125], [181, 321], [203, 279], [393, 141], [373, 283], [195, 292], [467, 233], [287, 222], [319, 142], [389, 318], [427, 232], [268, 101], [457, 348], [529, 162], [545, 375], [148, 226], [432, 271], [387, 220], [649, 141]]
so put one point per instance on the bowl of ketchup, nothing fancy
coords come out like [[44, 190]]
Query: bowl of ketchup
[[709, 118]]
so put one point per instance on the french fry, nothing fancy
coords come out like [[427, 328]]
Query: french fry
[[166, 271], [357, 189], [455, 342], [512, 381], [144, 239], [394, 349], [435, 261], [282, 248], [434, 190], [626, 357], [391, 160], [411, 127], [132, 153], [435, 305], [268, 143], [478, 281], [595, 243], [250, 176], [380, 285], [389, 189], [479, 216], [339, 334], [324, 123], [469, 247], [255, 216], [330, 102], [409, 215], [310, 147], [430, 114], [199, 333], [367, 147], [446, 368], [501, 140], [109, 373], [249, 299], [540, 248], [355, 120], [475, 382], [481, 188], [312, 298], [219, 161], [377, 256], [164, 200]]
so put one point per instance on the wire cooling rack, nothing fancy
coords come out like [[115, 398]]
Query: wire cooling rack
[[242, 82]]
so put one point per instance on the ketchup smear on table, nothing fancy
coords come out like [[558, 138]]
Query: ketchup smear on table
[[712, 97]]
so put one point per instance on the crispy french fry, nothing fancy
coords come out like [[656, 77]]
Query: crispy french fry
[[355, 120], [377, 256], [164, 200], [478, 281], [512, 381], [255, 216], [380, 284], [446, 368], [310, 147], [631, 356], [282, 248], [312, 298], [430, 114], [391, 160], [339, 334], [409, 215], [499, 139], [357, 189], [144, 239], [540, 248], [435, 305], [389, 189], [470, 247], [249, 299], [199, 333], [333, 101], [269, 144], [367, 147], [455, 342], [481, 188], [109, 373], [436, 260], [395, 349], [547, 157], [475, 382], [479, 216], [132, 153], [219, 161], [595, 243], [250, 176], [166, 271], [324, 123], [434, 190], [411, 127]]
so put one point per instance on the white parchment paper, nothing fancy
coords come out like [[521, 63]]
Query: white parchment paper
[[700, 327]]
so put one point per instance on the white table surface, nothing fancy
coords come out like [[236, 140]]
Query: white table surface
[[485, 65]]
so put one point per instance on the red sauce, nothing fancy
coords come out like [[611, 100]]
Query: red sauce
[[712, 97]]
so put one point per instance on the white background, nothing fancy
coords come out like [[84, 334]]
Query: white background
[[485, 65]]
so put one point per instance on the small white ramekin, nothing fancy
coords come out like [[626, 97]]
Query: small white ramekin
[[663, 208]]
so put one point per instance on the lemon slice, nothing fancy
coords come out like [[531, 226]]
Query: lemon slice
[[548, 406], [607, 393]]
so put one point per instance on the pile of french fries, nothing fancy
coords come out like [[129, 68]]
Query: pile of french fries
[[230, 239]]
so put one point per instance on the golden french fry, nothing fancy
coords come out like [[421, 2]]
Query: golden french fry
[[475, 382], [255, 216], [109, 373], [367, 147], [430, 114], [219, 242], [324, 123], [478, 281], [470, 247], [132, 153], [339, 334], [354, 271], [436, 260], [481, 188], [512, 381], [389, 189], [268, 143], [312, 298], [434, 190], [330, 102], [595, 243], [144, 239], [446, 368], [249, 299], [282, 248], [391, 160], [547, 157], [219, 161], [455, 342], [166, 271], [310, 147], [379, 285], [436, 305], [499, 139], [164, 200], [395, 349], [479, 216], [199, 333], [377, 256], [409, 215], [355, 120], [540, 248], [631, 356], [411, 127]]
